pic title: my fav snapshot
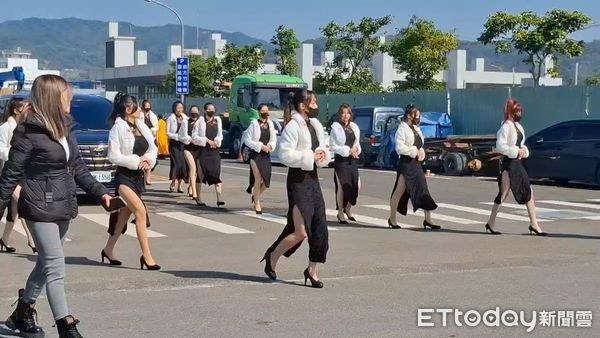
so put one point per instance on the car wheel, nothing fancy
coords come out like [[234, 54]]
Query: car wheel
[[455, 164]]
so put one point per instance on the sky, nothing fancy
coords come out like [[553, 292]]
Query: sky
[[259, 18]]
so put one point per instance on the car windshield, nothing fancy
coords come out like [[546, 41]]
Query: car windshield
[[275, 98], [381, 118], [90, 114]]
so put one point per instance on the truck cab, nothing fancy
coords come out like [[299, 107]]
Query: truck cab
[[247, 92]]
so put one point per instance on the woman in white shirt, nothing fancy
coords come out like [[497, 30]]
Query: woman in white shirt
[[302, 148], [262, 139], [192, 151], [131, 148], [14, 109], [510, 142], [345, 143], [178, 173], [209, 135], [410, 179]]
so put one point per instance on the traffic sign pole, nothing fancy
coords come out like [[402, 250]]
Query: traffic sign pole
[[182, 78]]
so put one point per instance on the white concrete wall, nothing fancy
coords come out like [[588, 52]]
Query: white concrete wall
[[30, 68], [124, 51], [141, 57], [173, 52], [304, 59]]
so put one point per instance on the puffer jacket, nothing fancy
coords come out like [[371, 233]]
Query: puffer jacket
[[39, 164]]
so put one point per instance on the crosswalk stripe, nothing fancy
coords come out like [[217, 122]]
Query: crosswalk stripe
[[594, 199], [486, 212], [270, 217], [205, 223], [592, 218], [102, 219], [580, 214], [19, 229], [371, 220], [571, 204], [435, 215]]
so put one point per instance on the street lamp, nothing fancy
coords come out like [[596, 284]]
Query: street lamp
[[182, 28]]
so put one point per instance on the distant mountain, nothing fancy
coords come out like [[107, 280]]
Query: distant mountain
[[75, 45]]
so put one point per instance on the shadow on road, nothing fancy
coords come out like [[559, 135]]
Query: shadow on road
[[6, 332], [218, 275]]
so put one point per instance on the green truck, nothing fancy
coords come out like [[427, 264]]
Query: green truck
[[247, 92]]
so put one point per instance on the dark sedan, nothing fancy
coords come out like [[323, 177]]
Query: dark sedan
[[568, 151]]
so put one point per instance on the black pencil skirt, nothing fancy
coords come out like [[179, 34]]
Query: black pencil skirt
[[519, 181], [416, 186], [304, 191]]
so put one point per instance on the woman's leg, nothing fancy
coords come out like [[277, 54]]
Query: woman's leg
[[532, 213], [122, 220], [50, 266], [137, 208], [289, 241], [10, 220], [219, 191], [339, 196], [191, 162], [395, 199], [504, 190], [348, 208], [258, 185]]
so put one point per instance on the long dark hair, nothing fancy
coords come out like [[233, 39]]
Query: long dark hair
[[409, 110], [122, 103], [15, 103], [341, 110], [174, 106], [294, 100]]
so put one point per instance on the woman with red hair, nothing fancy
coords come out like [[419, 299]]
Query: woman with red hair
[[510, 141]]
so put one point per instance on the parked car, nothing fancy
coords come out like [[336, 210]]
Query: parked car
[[278, 124], [371, 122], [90, 114], [567, 151]]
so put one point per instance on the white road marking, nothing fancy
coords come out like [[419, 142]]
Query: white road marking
[[102, 219], [205, 223]]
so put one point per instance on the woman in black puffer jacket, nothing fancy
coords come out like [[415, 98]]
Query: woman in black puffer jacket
[[44, 158]]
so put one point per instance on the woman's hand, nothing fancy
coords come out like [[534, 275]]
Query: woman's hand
[[319, 156], [421, 155], [106, 201]]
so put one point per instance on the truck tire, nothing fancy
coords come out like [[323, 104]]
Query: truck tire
[[455, 164], [235, 144]]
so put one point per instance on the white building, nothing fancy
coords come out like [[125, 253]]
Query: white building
[[20, 58], [128, 70]]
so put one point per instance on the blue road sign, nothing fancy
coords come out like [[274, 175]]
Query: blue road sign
[[182, 77]]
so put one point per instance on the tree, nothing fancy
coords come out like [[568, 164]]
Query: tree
[[420, 50], [201, 73], [593, 80], [239, 60], [286, 41], [535, 37], [354, 46]]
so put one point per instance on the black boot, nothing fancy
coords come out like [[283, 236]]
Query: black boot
[[23, 319], [67, 327]]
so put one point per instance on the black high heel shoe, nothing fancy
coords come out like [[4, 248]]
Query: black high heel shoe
[[539, 233], [489, 228], [32, 248], [199, 203], [313, 282], [350, 218], [219, 204], [431, 226], [154, 267], [5, 247], [268, 269], [341, 220], [393, 226], [110, 260]]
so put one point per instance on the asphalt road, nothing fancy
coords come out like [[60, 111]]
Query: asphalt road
[[375, 278]]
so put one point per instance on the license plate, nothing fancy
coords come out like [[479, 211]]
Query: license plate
[[102, 176]]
